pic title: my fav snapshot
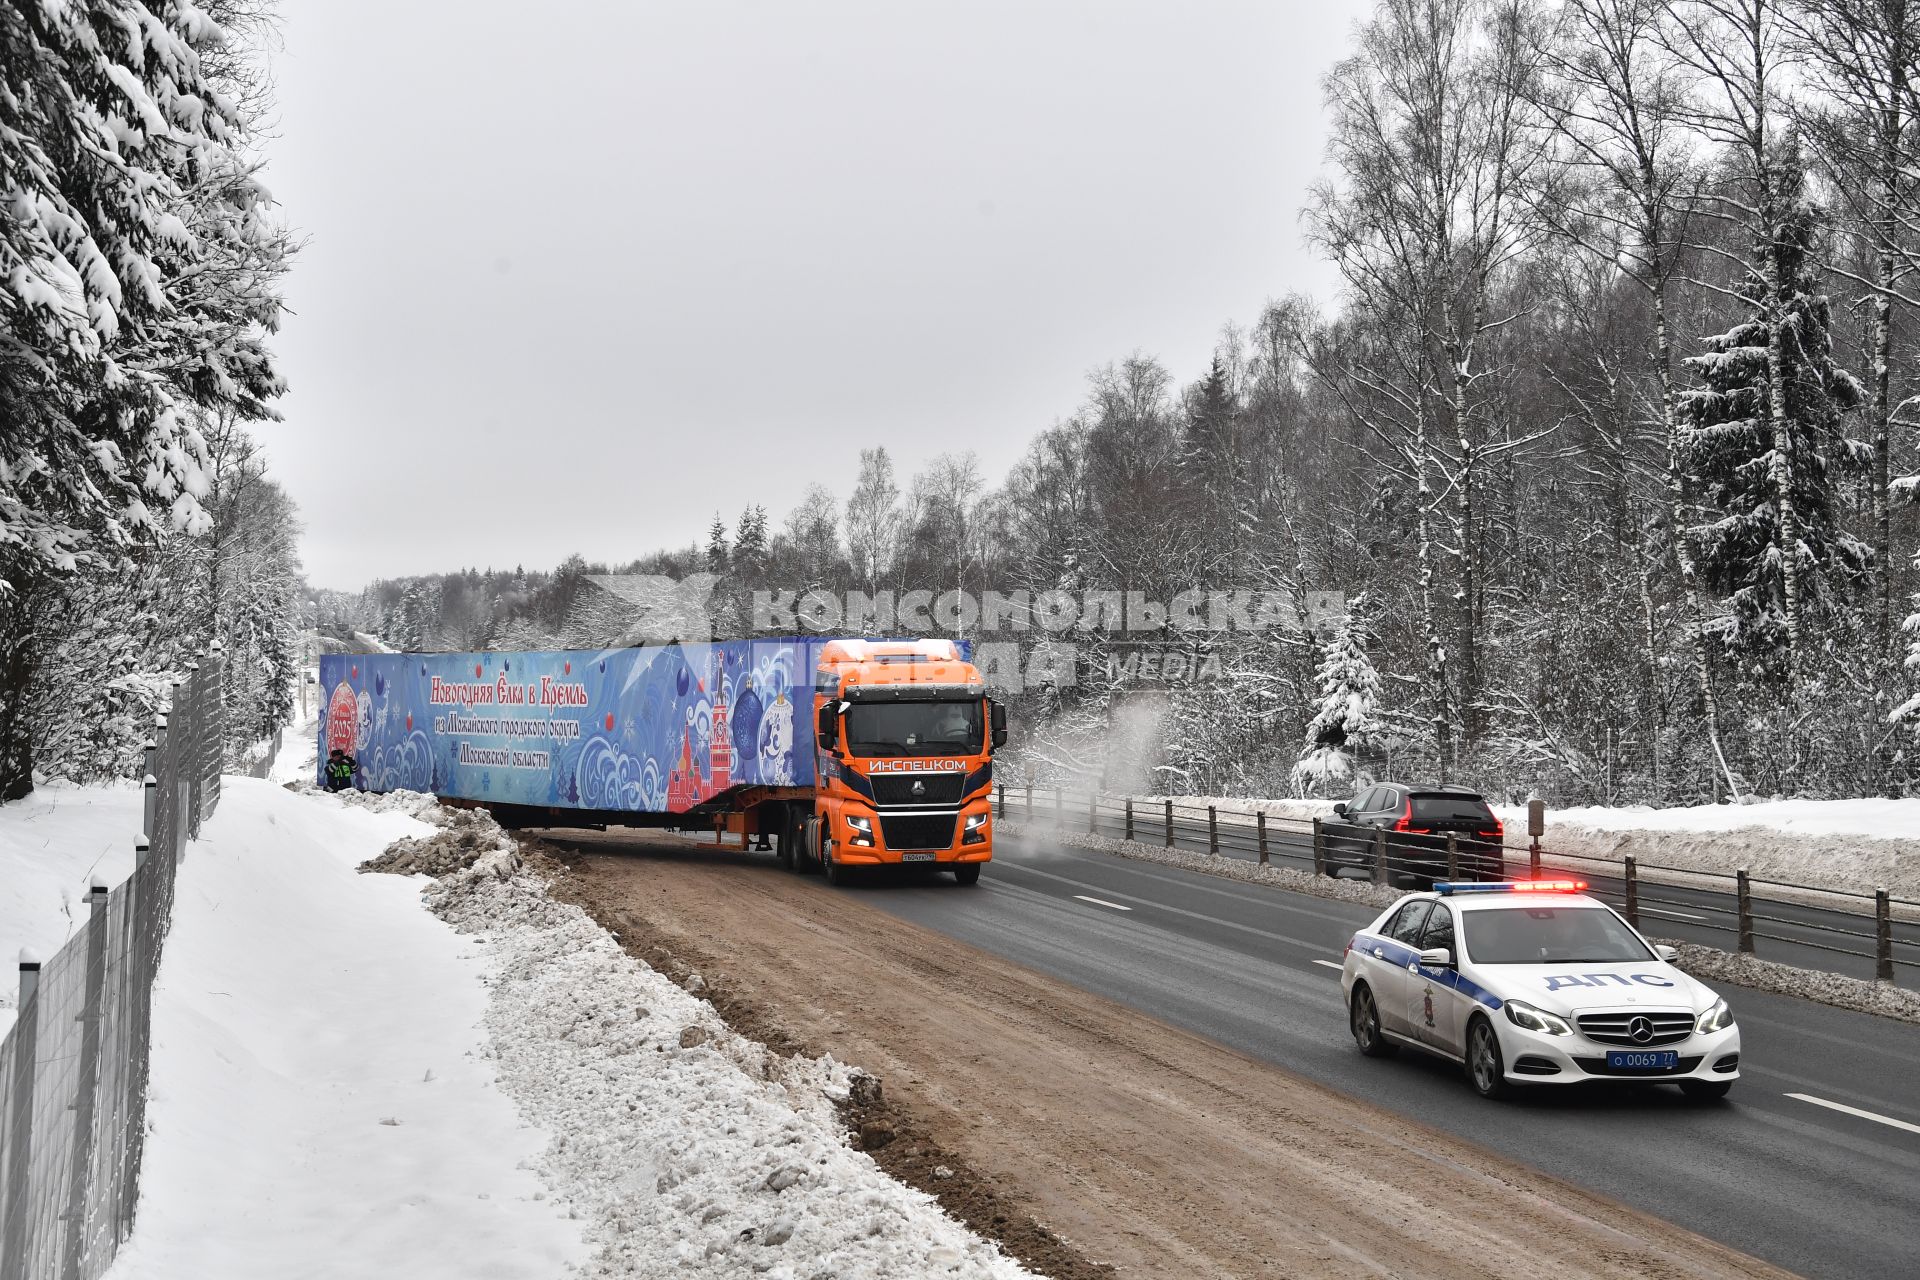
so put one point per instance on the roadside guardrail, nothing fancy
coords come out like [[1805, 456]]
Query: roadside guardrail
[[1857, 924]]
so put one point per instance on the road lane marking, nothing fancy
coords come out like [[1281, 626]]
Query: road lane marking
[[1856, 1111], [1675, 915], [1331, 965], [1320, 946], [1101, 902]]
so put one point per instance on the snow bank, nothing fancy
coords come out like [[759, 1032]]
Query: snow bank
[[53, 844], [686, 1148], [321, 1104]]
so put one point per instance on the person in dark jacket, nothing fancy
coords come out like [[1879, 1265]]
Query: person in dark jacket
[[340, 768]]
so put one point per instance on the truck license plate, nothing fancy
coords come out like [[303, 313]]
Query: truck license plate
[[919, 857]]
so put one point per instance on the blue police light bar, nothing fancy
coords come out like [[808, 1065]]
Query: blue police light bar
[[1448, 888]]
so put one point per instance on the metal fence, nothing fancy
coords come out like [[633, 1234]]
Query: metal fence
[[1864, 933], [73, 1069], [257, 761]]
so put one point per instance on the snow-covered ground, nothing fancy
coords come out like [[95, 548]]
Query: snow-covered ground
[[53, 844], [345, 1084], [686, 1149], [321, 1101], [1842, 844]]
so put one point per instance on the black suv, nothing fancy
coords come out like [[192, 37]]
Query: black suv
[[1417, 821]]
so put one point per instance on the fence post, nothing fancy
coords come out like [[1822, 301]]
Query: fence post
[[188, 755], [1129, 817], [1169, 824], [1453, 855], [1093, 799], [1213, 830], [1744, 901], [1029, 813], [1260, 823], [1882, 935], [1000, 801], [1319, 849], [1059, 808], [1536, 827], [161, 755], [1632, 873], [85, 1098], [1379, 856], [13, 1214]]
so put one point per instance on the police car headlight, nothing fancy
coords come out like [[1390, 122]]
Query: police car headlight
[[1718, 1018], [1522, 1014]]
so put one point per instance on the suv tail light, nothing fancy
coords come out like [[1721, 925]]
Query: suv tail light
[[1406, 822]]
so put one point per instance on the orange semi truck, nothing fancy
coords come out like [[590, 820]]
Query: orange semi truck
[[845, 753]]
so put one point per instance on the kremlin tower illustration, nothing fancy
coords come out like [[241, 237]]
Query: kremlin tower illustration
[[686, 786]]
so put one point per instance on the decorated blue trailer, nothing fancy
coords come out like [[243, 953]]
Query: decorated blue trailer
[[646, 732]]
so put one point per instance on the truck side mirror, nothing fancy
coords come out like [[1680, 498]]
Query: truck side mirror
[[826, 729], [997, 716]]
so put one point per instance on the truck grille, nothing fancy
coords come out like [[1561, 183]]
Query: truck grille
[[1613, 1028], [918, 831], [935, 788]]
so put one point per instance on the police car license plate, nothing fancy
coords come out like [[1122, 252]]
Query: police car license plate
[[919, 857], [1643, 1060]]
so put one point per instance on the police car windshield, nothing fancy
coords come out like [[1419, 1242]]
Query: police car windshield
[[914, 728], [1548, 935]]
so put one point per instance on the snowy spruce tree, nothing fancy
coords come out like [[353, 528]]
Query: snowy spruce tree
[[1764, 441], [1348, 714], [140, 285]]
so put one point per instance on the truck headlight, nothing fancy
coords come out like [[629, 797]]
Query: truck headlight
[[1522, 1014], [862, 828], [974, 829], [1718, 1018]]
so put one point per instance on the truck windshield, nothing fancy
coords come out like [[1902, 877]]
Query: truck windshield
[[914, 728], [1549, 935]]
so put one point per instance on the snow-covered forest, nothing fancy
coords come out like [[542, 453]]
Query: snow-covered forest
[[1609, 435], [141, 263]]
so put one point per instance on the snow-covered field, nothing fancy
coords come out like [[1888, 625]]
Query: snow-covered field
[[52, 845], [345, 1084], [1842, 844]]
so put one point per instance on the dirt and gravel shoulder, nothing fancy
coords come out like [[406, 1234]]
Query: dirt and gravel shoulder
[[1080, 1134]]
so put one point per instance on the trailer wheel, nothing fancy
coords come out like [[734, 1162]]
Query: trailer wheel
[[787, 836]]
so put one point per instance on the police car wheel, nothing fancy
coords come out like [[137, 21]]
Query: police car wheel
[[1364, 1018], [1486, 1068], [1705, 1090]]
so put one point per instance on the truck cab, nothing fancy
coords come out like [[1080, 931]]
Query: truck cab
[[904, 734]]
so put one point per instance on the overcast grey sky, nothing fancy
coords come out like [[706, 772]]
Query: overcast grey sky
[[580, 274]]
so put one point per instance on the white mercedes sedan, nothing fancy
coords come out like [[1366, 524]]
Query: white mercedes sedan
[[1534, 983]]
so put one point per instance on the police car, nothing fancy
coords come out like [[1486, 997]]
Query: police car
[[1533, 982]]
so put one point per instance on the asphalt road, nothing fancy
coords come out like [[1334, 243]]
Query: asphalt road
[[1797, 933], [1804, 1184]]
